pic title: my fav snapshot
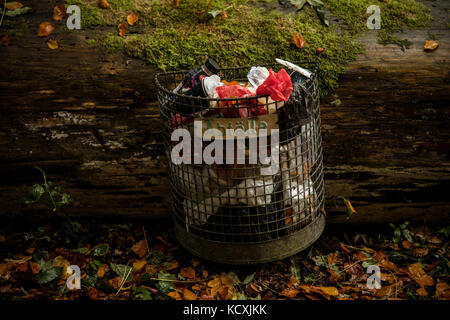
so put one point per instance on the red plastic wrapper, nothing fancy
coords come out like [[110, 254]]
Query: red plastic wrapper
[[237, 109], [277, 85]]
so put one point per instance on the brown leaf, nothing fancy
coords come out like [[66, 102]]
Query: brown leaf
[[298, 40], [385, 291], [420, 252], [204, 274], [416, 272], [332, 258], [175, 295], [189, 295], [45, 29], [221, 287], [407, 244], [255, 287], [115, 282], [23, 267], [140, 247], [30, 250], [380, 256], [173, 265], [292, 282], [139, 264], [388, 265], [103, 4], [327, 292], [442, 291], [431, 45], [334, 276], [188, 273], [123, 29], [3, 269], [92, 293], [289, 292], [422, 292], [176, 3], [5, 40], [132, 18], [223, 14], [34, 267], [52, 44], [100, 272], [13, 5], [59, 12], [319, 50]]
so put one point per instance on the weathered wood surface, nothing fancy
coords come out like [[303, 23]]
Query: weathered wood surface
[[90, 120]]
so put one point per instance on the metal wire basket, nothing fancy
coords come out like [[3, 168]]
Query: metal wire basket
[[230, 213]]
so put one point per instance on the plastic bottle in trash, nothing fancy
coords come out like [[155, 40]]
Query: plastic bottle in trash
[[194, 77]]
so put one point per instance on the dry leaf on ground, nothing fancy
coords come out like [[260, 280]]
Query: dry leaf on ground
[[442, 291], [139, 264], [52, 44], [140, 247], [132, 18], [298, 40], [45, 29], [59, 12], [13, 5], [103, 4], [431, 45], [176, 3], [289, 293], [34, 267], [123, 29], [416, 272], [189, 295], [175, 295], [188, 273]]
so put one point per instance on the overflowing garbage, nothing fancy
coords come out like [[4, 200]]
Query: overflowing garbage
[[235, 202]]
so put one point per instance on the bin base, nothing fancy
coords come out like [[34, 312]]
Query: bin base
[[251, 253]]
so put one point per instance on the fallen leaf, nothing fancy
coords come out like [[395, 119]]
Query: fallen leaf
[[407, 244], [30, 250], [176, 3], [385, 291], [100, 272], [420, 252], [92, 293], [199, 13], [223, 15], [132, 18], [196, 287], [188, 273], [422, 292], [52, 44], [195, 262], [23, 267], [123, 29], [289, 293], [173, 265], [175, 295], [59, 12], [45, 29], [334, 276], [13, 5], [103, 4], [255, 288], [292, 282], [204, 274], [431, 45], [332, 258], [327, 292], [189, 295], [319, 50], [298, 40], [416, 272], [380, 256], [34, 267], [442, 291], [139, 264], [5, 40], [388, 265], [221, 287], [140, 248], [115, 282]]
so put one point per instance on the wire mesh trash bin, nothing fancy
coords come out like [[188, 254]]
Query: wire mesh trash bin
[[238, 210]]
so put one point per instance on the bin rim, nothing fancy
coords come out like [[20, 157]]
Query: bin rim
[[314, 70]]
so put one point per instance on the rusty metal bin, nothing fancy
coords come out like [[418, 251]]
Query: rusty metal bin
[[231, 213]]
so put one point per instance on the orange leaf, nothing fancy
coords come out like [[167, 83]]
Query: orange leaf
[[407, 244], [132, 18], [92, 293], [176, 3], [139, 264], [332, 258], [34, 267], [150, 269], [292, 282], [188, 273], [175, 295], [416, 272], [204, 274], [223, 14], [334, 276], [5, 40], [45, 29], [100, 272], [115, 282], [422, 292], [23, 267], [319, 50], [289, 293], [140, 248], [298, 40], [173, 265], [442, 291], [13, 5], [189, 295], [59, 12], [325, 291], [431, 45], [52, 44], [103, 4]]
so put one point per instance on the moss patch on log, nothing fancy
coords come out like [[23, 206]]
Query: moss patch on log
[[253, 31]]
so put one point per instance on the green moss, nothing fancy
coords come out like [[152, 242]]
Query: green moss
[[17, 26], [385, 38], [254, 32], [90, 13]]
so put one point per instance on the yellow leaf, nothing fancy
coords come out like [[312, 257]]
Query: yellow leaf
[[431, 45], [189, 295], [132, 18], [139, 264], [52, 44], [175, 295]]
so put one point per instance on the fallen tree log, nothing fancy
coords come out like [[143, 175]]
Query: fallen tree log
[[90, 120]]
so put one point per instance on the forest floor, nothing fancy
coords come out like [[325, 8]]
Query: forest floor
[[145, 262]]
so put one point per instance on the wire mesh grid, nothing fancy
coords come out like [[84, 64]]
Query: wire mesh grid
[[235, 203]]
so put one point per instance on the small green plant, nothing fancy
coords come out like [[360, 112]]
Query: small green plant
[[401, 232]]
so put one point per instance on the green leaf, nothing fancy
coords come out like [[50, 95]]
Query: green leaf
[[315, 3], [249, 279], [214, 13], [295, 269], [320, 261], [123, 271], [166, 286], [100, 250], [44, 265], [81, 250], [90, 280], [36, 193], [49, 275], [321, 14], [299, 4], [142, 294], [17, 12]]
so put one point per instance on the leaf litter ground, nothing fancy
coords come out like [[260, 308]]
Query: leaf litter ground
[[140, 262]]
